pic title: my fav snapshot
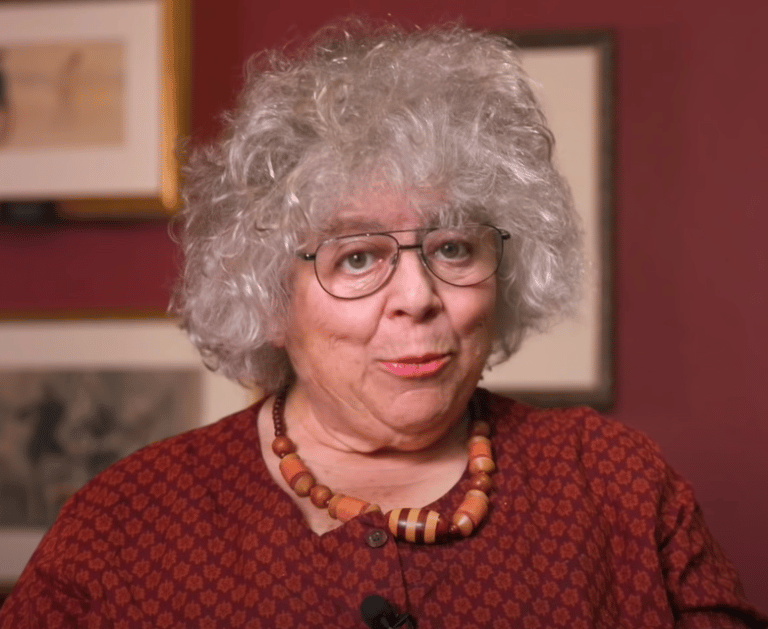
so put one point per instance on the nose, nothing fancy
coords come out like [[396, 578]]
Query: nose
[[412, 289]]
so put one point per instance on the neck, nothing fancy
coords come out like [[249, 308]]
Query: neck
[[325, 423], [387, 477], [310, 429]]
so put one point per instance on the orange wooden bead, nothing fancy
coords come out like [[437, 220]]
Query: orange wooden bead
[[471, 511], [303, 484], [480, 455], [320, 496], [417, 525], [481, 481], [296, 474], [344, 508], [282, 446]]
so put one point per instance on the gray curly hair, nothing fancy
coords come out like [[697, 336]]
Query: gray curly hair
[[445, 109]]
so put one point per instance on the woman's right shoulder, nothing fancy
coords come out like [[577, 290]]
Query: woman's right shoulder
[[204, 456], [198, 489]]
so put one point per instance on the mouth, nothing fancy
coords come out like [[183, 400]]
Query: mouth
[[416, 366]]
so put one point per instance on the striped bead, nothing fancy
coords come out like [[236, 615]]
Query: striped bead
[[296, 474], [417, 525], [471, 512], [480, 455], [344, 508]]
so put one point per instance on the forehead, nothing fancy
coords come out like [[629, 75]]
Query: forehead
[[384, 210]]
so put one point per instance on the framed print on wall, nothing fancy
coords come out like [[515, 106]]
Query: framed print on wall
[[77, 395], [573, 362], [93, 98]]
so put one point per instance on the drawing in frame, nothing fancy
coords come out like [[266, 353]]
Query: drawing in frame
[[94, 95], [573, 362], [75, 395]]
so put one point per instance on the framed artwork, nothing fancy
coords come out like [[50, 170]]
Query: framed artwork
[[93, 97], [573, 362], [75, 396]]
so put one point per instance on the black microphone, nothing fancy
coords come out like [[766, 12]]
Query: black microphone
[[377, 613]]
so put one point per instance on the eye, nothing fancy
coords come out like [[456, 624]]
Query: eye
[[357, 262], [453, 250], [451, 247], [359, 256]]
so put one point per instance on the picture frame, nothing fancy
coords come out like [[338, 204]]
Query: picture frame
[[110, 79], [573, 363], [104, 345]]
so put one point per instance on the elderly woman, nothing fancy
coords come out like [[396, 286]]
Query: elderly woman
[[380, 223]]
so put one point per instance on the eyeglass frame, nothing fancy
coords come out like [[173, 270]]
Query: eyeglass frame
[[312, 257]]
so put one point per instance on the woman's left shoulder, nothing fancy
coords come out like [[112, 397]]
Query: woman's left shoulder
[[574, 433]]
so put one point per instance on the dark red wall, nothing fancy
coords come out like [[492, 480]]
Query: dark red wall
[[691, 224]]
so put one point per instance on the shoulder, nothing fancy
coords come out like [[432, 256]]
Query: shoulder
[[597, 445], [187, 473], [194, 485], [200, 452], [159, 511], [578, 461], [607, 483]]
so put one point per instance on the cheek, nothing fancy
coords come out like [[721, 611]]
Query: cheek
[[474, 316], [318, 323]]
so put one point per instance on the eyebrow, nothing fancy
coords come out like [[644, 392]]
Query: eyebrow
[[352, 226]]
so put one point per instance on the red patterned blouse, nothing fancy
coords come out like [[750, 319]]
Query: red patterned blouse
[[588, 528]]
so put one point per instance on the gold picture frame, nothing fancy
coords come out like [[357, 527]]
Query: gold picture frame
[[136, 175]]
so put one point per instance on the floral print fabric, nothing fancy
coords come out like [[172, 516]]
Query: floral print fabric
[[588, 528]]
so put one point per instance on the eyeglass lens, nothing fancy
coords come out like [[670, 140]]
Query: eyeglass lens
[[356, 266]]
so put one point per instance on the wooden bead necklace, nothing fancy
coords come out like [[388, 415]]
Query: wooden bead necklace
[[411, 525]]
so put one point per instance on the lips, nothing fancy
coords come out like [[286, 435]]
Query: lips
[[416, 366]]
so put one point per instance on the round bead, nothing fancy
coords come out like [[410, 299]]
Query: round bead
[[481, 464], [303, 484], [282, 446], [479, 445], [476, 494], [320, 496], [481, 428], [481, 481]]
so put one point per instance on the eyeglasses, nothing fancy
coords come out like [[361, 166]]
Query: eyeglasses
[[350, 267]]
